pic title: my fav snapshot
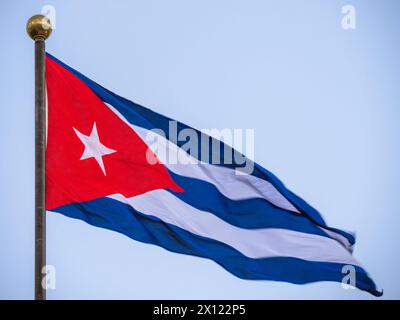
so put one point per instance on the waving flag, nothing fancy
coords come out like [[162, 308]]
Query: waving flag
[[105, 165]]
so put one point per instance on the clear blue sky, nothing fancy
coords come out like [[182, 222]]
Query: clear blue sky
[[324, 103]]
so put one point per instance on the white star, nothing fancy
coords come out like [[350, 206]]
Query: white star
[[93, 147]]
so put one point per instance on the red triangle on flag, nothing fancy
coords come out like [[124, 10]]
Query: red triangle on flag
[[91, 153]]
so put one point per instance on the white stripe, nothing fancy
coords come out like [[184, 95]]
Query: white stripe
[[338, 237], [226, 180], [253, 243]]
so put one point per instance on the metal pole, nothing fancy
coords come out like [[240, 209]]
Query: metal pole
[[40, 157], [39, 28]]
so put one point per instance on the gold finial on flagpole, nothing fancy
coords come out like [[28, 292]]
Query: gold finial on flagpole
[[39, 27]]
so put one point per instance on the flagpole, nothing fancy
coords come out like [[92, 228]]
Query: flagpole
[[39, 29]]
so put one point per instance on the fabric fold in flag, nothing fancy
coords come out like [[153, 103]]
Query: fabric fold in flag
[[106, 164]]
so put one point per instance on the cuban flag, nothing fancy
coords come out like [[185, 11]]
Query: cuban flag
[[107, 164]]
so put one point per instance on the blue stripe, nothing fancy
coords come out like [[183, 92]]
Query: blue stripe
[[250, 214], [143, 117], [114, 215]]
